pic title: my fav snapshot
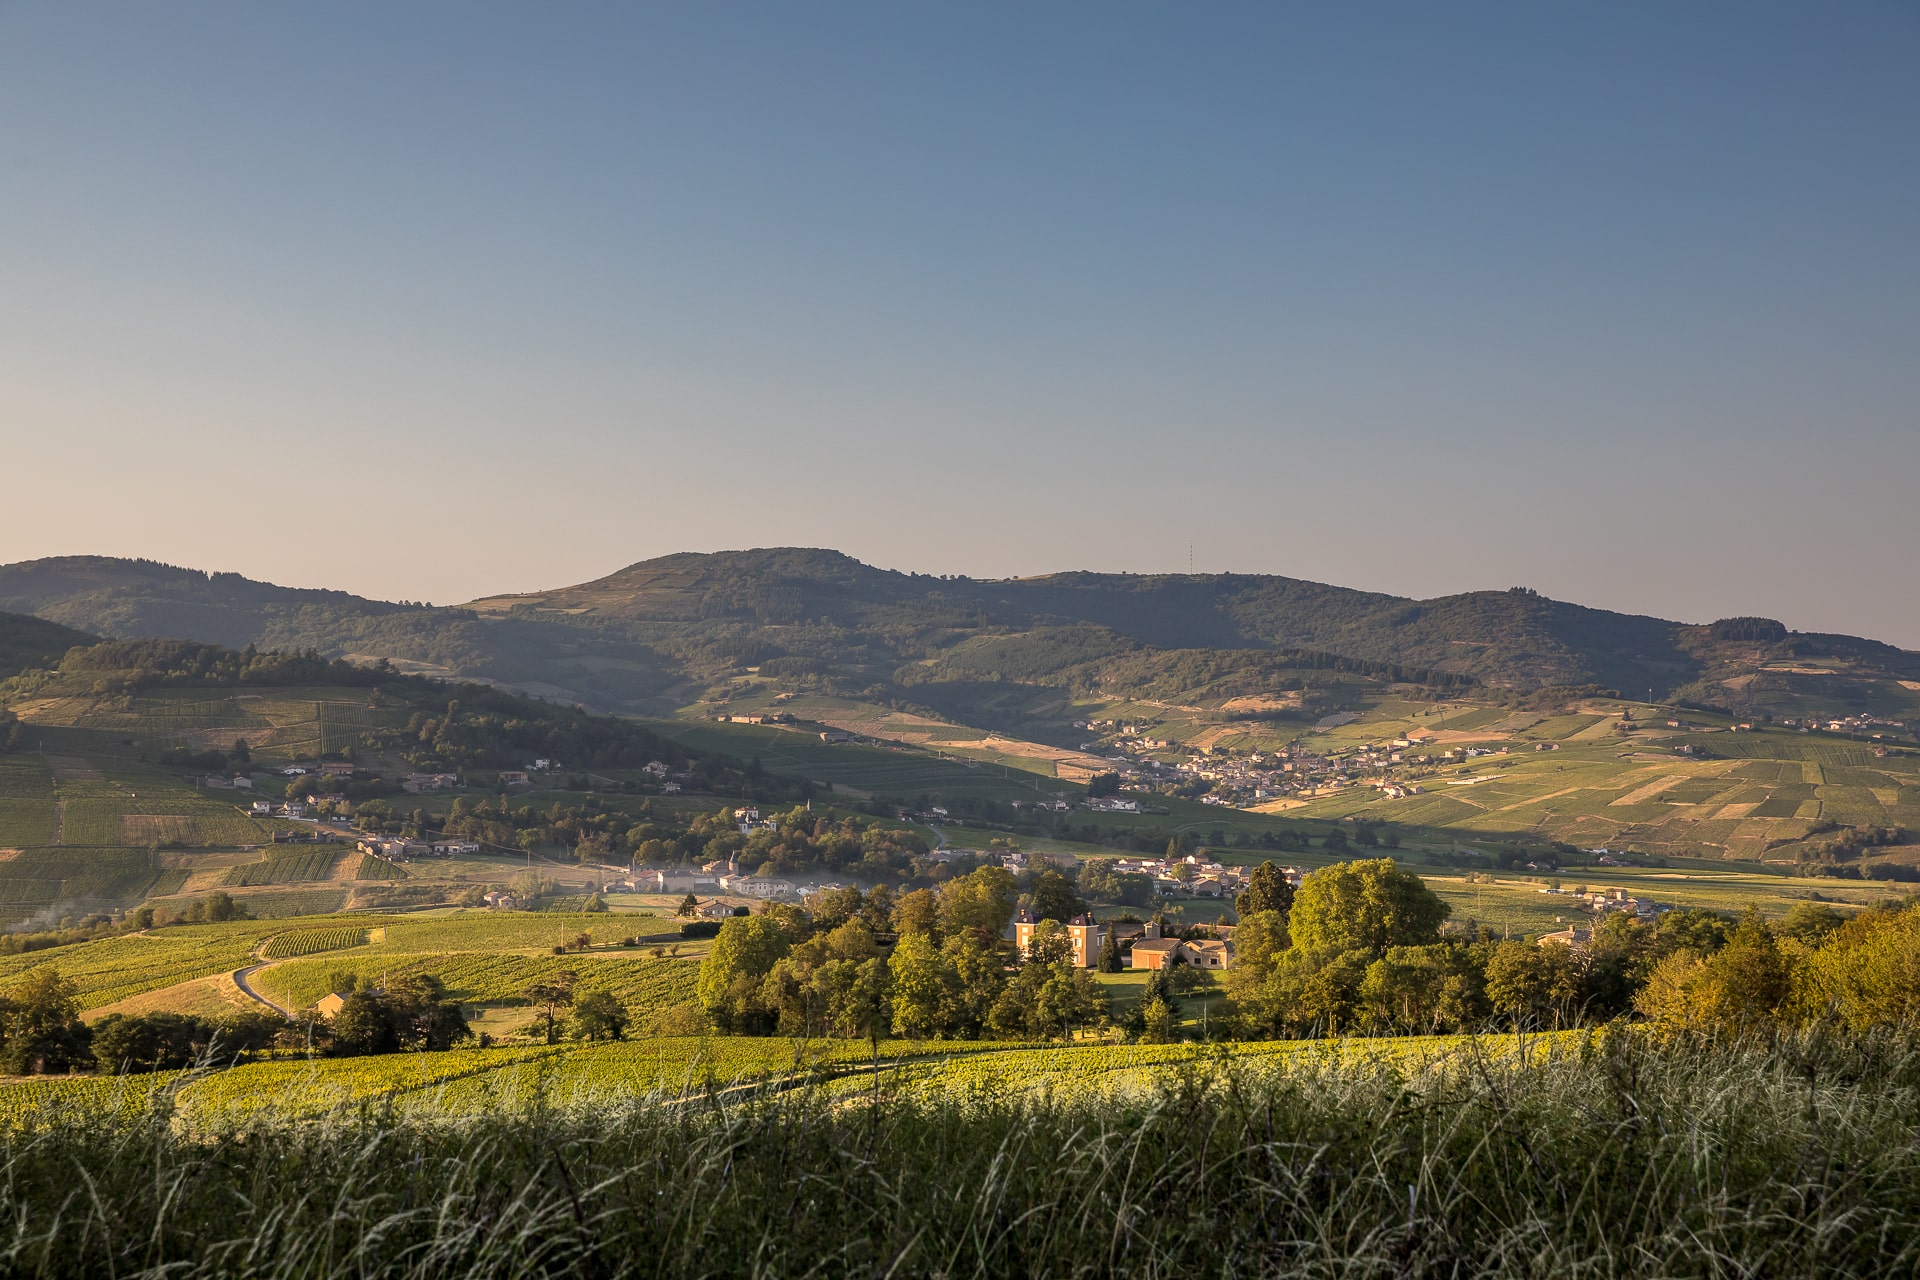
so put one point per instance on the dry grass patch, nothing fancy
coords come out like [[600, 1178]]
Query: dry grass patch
[[210, 997], [1642, 794]]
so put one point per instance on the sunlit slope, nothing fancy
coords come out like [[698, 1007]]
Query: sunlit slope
[[664, 632]]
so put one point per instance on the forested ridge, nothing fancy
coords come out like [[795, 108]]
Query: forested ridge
[[654, 634]]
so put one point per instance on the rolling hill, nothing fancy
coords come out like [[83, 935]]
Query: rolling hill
[[27, 642], [658, 635]]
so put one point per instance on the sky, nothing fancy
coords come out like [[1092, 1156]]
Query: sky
[[432, 302]]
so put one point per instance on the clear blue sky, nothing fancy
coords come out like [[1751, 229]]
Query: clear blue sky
[[431, 302]]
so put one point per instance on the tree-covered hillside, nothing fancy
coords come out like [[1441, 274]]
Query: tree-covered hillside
[[653, 636], [34, 642]]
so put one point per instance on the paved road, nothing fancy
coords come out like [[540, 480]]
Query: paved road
[[240, 977]]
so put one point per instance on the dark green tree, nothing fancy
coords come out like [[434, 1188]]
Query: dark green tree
[[598, 1015], [550, 995], [1364, 906], [1267, 890], [1053, 898], [364, 1025], [422, 1016], [40, 1028]]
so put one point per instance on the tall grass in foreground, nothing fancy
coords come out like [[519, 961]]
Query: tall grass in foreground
[[1602, 1157]]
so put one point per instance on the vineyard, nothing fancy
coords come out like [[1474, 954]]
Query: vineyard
[[26, 801], [278, 904], [513, 930], [112, 969], [283, 724], [645, 985], [304, 1087], [474, 1080], [112, 803], [374, 867], [307, 942], [34, 878], [286, 868], [474, 952]]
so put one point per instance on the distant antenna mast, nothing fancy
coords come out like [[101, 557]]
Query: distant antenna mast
[[1189, 559]]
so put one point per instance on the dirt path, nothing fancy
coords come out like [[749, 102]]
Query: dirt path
[[59, 822]]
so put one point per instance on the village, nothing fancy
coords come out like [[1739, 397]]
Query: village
[[1220, 776]]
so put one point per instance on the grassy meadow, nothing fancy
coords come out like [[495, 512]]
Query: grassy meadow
[[1597, 1154]]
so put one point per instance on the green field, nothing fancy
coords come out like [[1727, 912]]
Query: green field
[[1753, 799], [516, 1078]]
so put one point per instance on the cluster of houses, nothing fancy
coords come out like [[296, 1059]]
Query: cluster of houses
[[319, 768], [748, 819], [293, 809], [1142, 946], [1193, 875], [1602, 901], [663, 773], [1871, 725], [722, 877], [401, 849], [1256, 777]]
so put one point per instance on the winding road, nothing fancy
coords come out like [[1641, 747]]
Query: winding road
[[240, 977]]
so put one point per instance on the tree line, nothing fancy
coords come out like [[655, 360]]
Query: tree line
[[1360, 948], [42, 1033]]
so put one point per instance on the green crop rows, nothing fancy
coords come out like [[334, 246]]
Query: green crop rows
[[307, 942], [374, 867], [36, 877], [114, 968], [474, 1080], [286, 868]]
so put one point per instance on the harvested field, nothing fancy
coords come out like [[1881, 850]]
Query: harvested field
[[1262, 702]]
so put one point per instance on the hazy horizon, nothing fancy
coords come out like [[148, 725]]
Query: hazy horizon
[[907, 568], [455, 301]]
